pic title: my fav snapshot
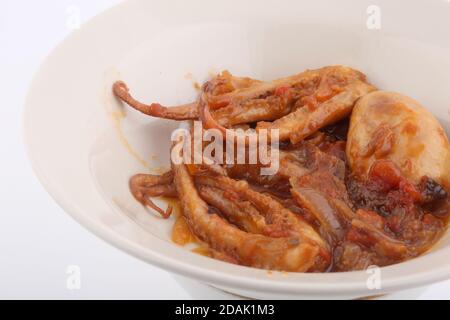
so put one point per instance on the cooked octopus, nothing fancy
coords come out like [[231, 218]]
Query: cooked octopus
[[363, 175], [256, 250]]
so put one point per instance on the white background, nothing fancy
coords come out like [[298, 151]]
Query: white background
[[38, 241]]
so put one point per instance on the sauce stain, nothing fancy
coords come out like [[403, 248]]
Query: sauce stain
[[117, 117]]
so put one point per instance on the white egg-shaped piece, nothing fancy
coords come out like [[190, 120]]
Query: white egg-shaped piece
[[391, 126]]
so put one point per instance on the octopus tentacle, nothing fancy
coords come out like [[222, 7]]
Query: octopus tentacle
[[331, 103], [230, 115], [383, 243], [272, 210], [303, 122], [316, 203], [289, 254], [182, 112], [252, 111], [143, 186], [330, 206]]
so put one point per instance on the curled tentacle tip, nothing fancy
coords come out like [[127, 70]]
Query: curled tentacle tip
[[120, 87]]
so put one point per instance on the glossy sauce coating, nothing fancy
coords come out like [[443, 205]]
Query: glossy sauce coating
[[386, 125]]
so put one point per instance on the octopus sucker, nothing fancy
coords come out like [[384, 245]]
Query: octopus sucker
[[362, 175]]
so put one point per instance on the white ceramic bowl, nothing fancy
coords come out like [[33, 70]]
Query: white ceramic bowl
[[84, 151]]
